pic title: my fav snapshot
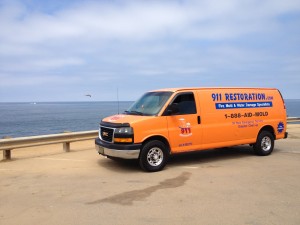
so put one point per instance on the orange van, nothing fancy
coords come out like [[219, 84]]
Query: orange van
[[170, 121]]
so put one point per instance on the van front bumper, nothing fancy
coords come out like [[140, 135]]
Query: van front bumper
[[124, 151]]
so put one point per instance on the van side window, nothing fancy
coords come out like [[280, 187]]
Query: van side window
[[186, 104]]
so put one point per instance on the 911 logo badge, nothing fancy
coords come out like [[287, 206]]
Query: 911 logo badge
[[116, 117], [185, 128]]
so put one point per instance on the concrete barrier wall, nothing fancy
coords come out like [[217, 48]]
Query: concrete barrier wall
[[8, 144], [293, 119]]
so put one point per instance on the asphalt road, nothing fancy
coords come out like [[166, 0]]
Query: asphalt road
[[224, 186]]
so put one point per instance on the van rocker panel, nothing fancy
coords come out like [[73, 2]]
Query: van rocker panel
[[128, 151]]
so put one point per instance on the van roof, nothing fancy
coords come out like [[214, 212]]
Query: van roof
[[207, 88]]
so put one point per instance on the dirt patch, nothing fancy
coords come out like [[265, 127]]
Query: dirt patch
[[127, 198]]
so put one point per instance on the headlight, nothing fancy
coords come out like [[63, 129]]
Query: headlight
[[124, 130], [123, 135]]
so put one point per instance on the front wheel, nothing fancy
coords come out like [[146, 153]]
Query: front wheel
[[264, 144], [153, 156]]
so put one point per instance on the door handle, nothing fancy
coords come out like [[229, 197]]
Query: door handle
[[199, 119]]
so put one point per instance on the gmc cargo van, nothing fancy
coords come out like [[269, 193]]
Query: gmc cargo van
[[170, 121]]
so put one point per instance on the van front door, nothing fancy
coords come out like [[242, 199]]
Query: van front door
[[184, 123]]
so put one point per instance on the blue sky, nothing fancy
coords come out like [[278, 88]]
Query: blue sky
[[61, 50]]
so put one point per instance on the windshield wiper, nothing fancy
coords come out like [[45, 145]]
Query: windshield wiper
[[134, 113]]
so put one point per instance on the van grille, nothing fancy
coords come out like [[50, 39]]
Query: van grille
[[106, 134]]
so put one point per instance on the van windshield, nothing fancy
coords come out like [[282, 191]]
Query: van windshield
[[149, 104]]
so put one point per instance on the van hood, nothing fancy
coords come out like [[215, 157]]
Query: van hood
[[123, 118]]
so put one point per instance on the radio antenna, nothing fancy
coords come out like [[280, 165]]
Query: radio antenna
[[118, 100]]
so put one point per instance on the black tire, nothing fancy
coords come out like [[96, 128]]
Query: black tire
[[264, 144], [153, 156]]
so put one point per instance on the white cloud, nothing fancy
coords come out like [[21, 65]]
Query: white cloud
[[38, 64], [36, 80], [140, 20], [105, 41], [55, 62]]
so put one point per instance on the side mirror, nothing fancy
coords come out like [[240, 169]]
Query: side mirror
[[173, 109]]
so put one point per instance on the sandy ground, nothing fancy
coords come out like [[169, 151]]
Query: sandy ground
[[44, 185]]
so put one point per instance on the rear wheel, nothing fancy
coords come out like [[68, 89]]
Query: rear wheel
[[264, 144], [153, 156]]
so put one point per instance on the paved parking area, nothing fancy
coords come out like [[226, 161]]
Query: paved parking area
[[224, 186]]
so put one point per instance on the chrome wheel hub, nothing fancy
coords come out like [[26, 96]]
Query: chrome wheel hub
[[155, 156], [266, 144]]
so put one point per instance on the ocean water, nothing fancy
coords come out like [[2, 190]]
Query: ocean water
[[28, 119], [292, 107]]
